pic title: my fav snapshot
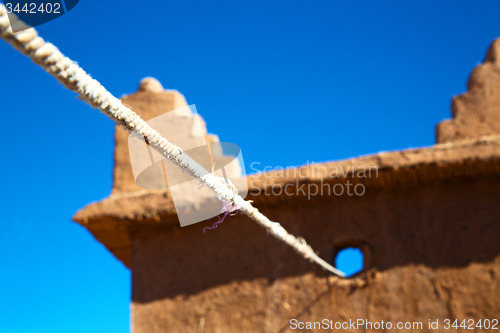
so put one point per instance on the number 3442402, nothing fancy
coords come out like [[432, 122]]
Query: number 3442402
[[33, 8], [471, 324]]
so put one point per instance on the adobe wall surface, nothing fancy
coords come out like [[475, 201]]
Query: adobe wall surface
[[149, 101], [432, 252]]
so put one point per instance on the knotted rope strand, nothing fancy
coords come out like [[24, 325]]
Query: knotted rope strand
[[92, 92]]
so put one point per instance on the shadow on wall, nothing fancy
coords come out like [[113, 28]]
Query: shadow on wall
[[442, 226]]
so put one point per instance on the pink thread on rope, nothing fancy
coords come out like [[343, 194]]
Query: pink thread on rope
[[229, 209]]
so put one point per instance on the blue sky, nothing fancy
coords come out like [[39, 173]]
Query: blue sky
[[291, 82], [349, 260]]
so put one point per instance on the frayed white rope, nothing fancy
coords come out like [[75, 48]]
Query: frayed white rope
[[92, 92]]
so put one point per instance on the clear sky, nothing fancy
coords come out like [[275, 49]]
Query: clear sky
[[291, 82]]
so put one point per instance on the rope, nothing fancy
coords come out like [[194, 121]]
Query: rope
[[92, 92]]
